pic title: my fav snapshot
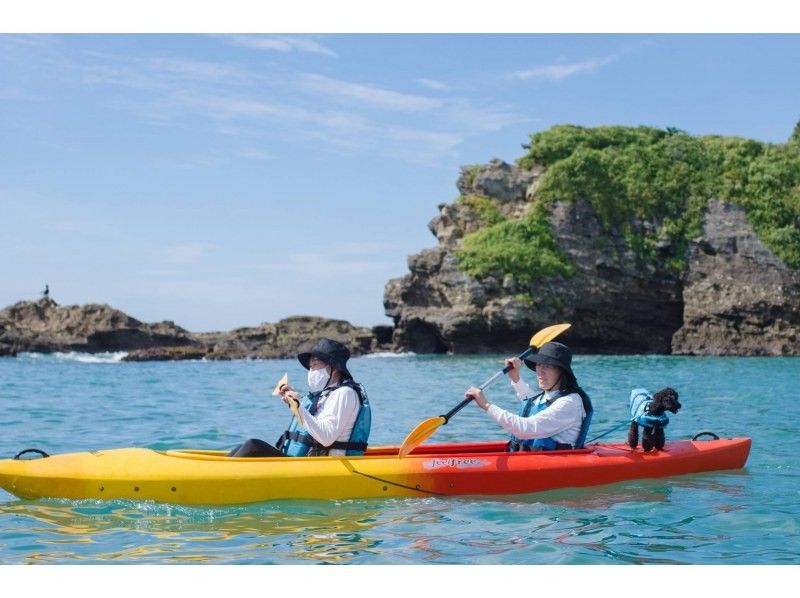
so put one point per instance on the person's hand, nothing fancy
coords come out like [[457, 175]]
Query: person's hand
[[289, 394], [515, 364], [476, 394]]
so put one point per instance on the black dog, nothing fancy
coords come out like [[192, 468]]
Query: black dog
[[649, 412]]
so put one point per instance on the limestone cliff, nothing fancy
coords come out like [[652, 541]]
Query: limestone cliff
[[739, 298], [734, 297]]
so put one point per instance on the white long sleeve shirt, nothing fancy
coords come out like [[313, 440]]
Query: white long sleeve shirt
[[561, 420], [335, 418]]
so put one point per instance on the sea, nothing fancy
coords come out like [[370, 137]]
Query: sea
[[75, 402]]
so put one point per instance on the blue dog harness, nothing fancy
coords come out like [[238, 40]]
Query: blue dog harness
[[640, 401]]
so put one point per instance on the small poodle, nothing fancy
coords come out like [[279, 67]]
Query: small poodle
[[649, 412]]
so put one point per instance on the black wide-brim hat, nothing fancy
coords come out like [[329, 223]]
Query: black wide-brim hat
[[333, 353], [552, 353]]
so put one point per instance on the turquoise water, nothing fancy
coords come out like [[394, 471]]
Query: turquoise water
[[69, 403]]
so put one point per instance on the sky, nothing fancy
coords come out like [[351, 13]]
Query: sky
[[225, 180]]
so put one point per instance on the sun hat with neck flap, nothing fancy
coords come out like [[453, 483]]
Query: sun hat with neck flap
[[331, 352], [552, 353]]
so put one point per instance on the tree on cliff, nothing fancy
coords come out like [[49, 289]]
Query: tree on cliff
[[795, 138]]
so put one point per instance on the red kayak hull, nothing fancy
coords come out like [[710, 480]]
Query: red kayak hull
[[482, 468]]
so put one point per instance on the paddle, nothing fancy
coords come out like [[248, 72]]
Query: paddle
[[424, 430]]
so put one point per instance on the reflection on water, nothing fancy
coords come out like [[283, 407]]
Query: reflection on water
[[144, 531], [588, 525]]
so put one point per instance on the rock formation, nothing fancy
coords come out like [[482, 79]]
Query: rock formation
[[44, 326], [739, 298], [735, 297], [286, 338]]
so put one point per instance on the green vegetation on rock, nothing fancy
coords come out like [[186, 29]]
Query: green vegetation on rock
[[652, 186], [485, 207], [523, 247]]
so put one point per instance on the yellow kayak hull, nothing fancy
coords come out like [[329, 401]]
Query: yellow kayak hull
[[191, 477]]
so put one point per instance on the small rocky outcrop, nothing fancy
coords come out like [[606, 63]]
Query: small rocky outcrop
[[286, 338], [45, 326], [739, 297], [735, 297]]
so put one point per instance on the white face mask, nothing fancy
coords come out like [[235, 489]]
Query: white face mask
[[318, 379]]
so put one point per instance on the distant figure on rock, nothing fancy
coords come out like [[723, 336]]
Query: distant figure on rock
[[46, 291]]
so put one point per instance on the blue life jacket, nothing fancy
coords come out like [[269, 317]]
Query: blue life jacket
[[640, 401], [296, 443], [538, 403]]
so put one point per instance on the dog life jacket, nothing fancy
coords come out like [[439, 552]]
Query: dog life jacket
[[640, 401], [538, 403], [295, 443]]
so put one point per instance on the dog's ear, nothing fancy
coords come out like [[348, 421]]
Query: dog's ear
[[666, 393]]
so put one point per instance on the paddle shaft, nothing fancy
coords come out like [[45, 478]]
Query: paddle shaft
[[486, 384]]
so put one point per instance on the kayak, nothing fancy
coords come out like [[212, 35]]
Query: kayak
[[205, 477]]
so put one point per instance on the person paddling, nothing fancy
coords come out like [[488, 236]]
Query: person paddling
[[555, 419], [336, 416]]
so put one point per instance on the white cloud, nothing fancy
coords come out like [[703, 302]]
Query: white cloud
[[17, 95], [561, 71], [422, 145], [233, 99], [333, 264], [482, 119], [281, 44], [432, 84], [158, 74], [367, 93], [199, 70], [186, 254], [256, 155], [81, 228]]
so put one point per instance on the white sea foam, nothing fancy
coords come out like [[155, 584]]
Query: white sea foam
[[390, 354], [108, 357]]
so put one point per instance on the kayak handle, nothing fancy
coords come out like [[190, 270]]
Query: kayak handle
[[42, 453], [705, 433]]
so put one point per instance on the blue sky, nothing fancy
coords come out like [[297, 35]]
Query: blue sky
[[227, 180]]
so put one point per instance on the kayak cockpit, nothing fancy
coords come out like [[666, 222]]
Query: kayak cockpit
[[465, 448]]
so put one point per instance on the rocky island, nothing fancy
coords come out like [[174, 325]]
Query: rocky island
[[646, 240]]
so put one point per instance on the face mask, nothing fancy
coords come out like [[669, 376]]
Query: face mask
[[318, 379]]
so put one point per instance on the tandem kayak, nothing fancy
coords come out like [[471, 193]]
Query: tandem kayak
[[201, 477]]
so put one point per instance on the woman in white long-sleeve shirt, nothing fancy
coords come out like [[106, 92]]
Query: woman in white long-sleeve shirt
[[556, 418], [335, 416]]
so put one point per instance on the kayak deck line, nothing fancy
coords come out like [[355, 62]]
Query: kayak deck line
[[208, 477]]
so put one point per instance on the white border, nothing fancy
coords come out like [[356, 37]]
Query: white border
[[385, 16]]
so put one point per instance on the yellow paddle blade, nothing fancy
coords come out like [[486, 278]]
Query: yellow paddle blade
[[284, 380], [548, 334], [420, 434]]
